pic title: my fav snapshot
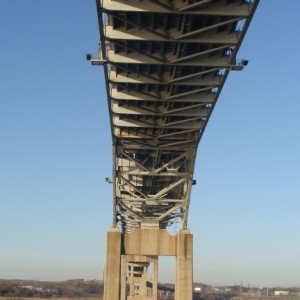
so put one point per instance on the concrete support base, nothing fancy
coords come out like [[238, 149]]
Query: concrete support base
[[129, 258], [142, 283], [184, 266], [112, 266]]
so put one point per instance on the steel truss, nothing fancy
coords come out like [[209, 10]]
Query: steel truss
[[165, 64]]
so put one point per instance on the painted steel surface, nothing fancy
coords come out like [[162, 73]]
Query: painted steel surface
[[165, 64]]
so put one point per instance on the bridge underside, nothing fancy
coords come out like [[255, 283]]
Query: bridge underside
[[165, 64]]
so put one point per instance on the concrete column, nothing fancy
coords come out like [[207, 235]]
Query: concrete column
[[155, 277], [113, 265], [184, 266], [123, 277]]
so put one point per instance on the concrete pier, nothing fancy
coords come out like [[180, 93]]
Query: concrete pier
[[130, 256], [184, 266], [113, 265]]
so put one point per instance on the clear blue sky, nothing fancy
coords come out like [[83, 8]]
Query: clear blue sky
[[55, 152]]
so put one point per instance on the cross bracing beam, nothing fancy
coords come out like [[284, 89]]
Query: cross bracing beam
[[179, 27], [207, 7], [220, 61], [135, 34], [156, 110], [115, 94], [183, 123], [142, 79], [165, 63], [156, 137]]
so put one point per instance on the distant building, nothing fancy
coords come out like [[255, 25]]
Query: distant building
[[281, 293], [27, 287]]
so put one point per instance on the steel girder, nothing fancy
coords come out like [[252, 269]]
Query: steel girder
[[165, 63]]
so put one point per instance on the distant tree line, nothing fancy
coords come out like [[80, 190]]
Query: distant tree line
[[44, 289], [80, 288]]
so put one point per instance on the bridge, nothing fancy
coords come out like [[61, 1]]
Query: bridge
[[165, 64]]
